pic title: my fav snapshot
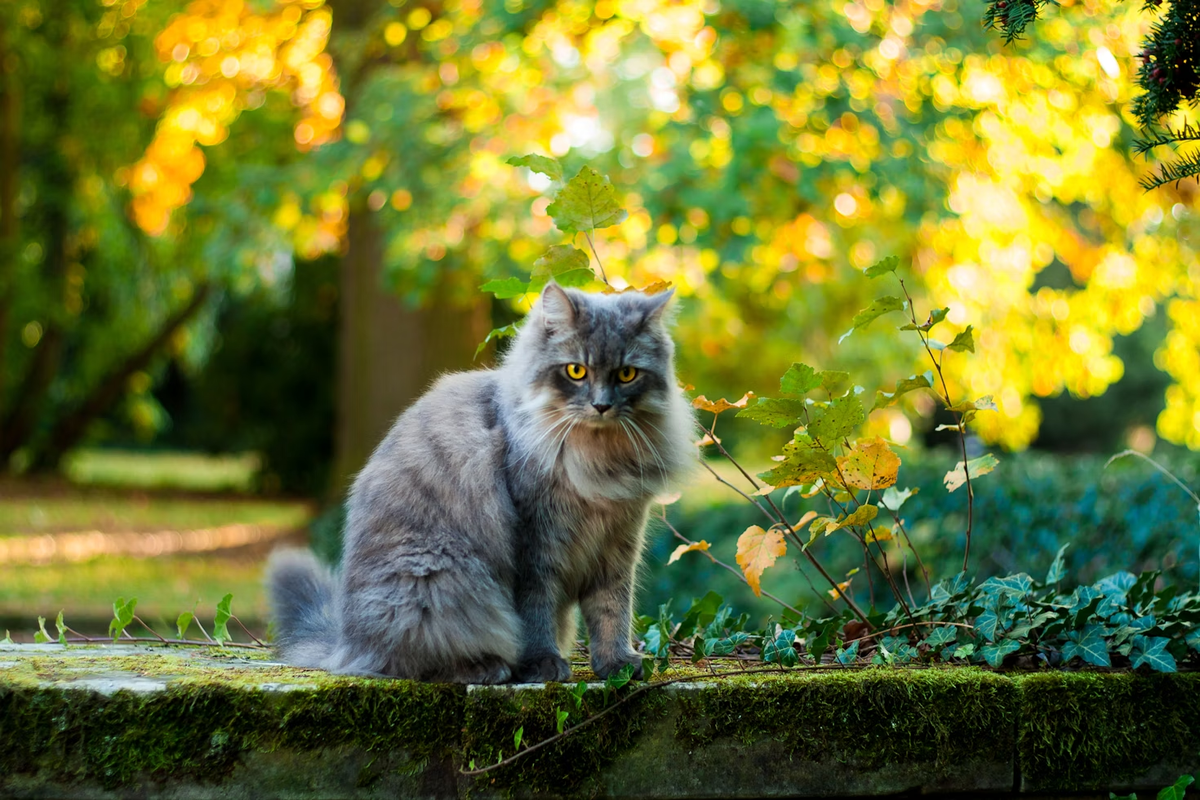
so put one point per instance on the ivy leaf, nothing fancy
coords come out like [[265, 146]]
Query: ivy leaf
[[964, 342], [841, 418], [618, 679], [7, 637], [940, 636], [1058, 568], [757, 549], [505, 332], [1016, 586], [558, 259], [1177, 790], [1151, 651], [935, 316], [780, 650], [560, 719], [587, 202], [220, 621], [678, 552], [800, 379], [183, 623], [61, 627], [776, 412], [847, 655], [40, 636], [534, 163], [517, 737], [870, 464], [976, 466], [1089, 645], [988, 624], [884, 305], [122, 616], [994, 654], [882, 267], [506, 288], [903, 387], [893, 498]]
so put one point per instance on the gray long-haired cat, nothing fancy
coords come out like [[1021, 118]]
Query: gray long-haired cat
[[498, 502]]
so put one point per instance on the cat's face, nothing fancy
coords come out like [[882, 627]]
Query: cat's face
[[602, 359]]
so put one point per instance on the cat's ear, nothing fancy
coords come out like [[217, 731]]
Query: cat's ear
[[558, 310], [657, 305]]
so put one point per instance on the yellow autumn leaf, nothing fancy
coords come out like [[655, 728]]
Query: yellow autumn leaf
[[844, 586], [808, 517], [870, 464], [757, 549], [678, 552], [861, 516], [881, 534], [717, 406]]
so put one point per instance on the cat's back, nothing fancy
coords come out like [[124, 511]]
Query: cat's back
[[443, 454]]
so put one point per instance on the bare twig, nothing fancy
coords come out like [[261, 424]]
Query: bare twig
[[81, 639], [592, 244], [247, 630]]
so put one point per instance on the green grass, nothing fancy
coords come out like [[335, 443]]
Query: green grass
[[197, 472], [58, 512]]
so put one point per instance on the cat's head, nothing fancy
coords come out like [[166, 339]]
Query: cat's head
[[597, 358]]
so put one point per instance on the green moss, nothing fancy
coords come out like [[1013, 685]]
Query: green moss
[[210, 714], [1090, 730], [570, 766], [871, 718]]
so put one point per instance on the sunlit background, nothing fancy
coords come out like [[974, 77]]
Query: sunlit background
[[257, 229]]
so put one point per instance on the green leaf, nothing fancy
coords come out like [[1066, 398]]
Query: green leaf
[[883, 267], [497, 333], [7, 638], [220, 621], [619, 678], [994, 654], [985, 403], [988, 624], [183, 623], [506, 288], [535, 163], [1177, 790], [1015, 586], [1058, 569], [965, 651], [963, 342], [800, 379], [976, 467], [841, 418], [587, 202], [847, 655], [903, 387], [560, 258], [41, 637], [834, 381], [935, 316], [781, 412], [941, 636], [1089, 645], [781, 650], [577, 693], [884, 305], [1151, 651], [61, 627], [122, 616], [560, 719], [517, 737], [573, 278], [893, 498]]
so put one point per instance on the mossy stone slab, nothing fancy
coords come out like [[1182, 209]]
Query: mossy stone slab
[[158, 722]]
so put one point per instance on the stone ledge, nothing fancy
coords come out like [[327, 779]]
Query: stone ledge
[[115, 721]]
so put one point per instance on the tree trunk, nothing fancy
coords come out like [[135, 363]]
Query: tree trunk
[[9, 165], [389, 353], [71, 427]]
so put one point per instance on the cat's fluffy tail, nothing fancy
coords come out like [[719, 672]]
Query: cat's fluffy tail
[[300, 593]]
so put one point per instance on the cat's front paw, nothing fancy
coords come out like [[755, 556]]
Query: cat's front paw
[[605, 668], [543, 669]]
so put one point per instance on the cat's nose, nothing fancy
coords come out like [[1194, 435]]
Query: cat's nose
[[601, 407]]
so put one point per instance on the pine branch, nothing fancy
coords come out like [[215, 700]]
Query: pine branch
[[1168, 136], [1185, 167]]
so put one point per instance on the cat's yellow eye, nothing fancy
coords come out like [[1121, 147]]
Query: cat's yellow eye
[[626, 374], [576, 372]]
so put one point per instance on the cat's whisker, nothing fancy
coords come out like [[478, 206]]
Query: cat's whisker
[[650, 446], [637, 451]]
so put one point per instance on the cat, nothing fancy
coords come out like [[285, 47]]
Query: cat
[[500, 501]]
